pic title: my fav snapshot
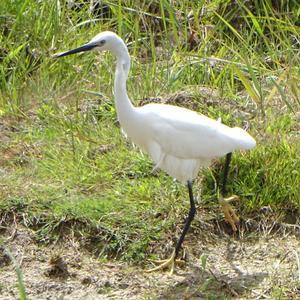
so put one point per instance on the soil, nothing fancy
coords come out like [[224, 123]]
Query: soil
[[219, 266]]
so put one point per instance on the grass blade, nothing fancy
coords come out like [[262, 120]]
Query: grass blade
[[251, 91], [283, 95], [21, 285]]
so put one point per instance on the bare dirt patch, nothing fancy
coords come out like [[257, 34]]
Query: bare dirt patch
[[236, 268]]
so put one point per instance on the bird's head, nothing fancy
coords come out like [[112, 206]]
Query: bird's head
[[106, 40]]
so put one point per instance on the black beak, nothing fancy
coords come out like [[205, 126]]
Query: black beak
[[83, 48]]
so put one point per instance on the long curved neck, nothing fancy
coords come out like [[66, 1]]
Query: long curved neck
[[123, 104]]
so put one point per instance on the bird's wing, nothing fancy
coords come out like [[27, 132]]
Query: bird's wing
[[187, 134]]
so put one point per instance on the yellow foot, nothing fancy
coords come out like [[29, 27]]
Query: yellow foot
[[229, 213], [166, 263]]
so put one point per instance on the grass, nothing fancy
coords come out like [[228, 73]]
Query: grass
[[21, 285], [65, 165]]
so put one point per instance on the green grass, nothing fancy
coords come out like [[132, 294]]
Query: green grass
[[65, 165], [21, 285]]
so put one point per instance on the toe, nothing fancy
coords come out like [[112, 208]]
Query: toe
[[168, 263], [232, 223], [229, 213]]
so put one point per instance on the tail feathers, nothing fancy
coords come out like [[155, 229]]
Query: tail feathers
[[243, 139]]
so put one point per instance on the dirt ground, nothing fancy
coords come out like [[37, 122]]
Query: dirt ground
[[236, 267]]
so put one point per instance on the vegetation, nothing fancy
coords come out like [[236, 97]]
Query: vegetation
[[64, 163]]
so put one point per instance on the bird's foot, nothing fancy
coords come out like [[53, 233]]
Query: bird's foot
[[166, 263], [229, 213]]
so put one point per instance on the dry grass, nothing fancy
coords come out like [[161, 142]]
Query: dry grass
[[251, 265]]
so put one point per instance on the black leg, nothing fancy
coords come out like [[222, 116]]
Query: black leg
[[225, 174], [189, 219]]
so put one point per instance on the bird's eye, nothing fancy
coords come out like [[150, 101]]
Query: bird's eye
[[102, 42]]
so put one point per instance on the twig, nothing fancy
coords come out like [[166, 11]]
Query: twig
[[298, 264]]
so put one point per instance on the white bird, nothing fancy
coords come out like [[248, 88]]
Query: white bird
[[179, 141]]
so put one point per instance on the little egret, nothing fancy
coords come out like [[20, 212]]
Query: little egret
[[179, 141]]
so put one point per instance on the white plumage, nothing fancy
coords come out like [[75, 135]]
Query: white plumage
[[180, 141]]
